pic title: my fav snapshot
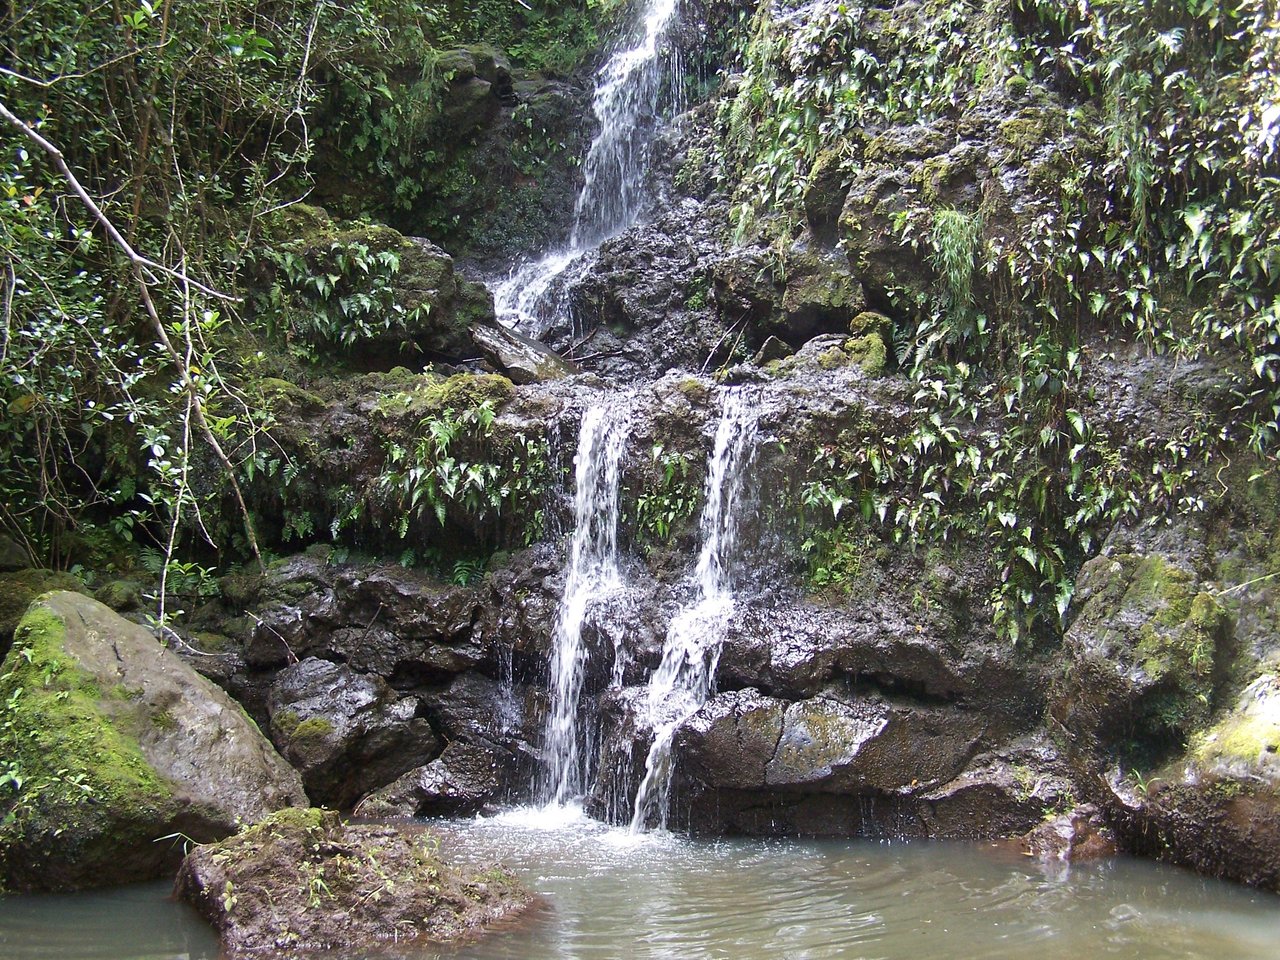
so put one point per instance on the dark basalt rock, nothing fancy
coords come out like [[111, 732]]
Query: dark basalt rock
[[347, 733], [852, 745], [465, 779]]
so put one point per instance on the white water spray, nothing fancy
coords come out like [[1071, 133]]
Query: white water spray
[[592, 576], [691, 651]]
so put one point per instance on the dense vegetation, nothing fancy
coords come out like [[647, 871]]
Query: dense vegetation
[[145, 321], [141, 308], [1141, 140]]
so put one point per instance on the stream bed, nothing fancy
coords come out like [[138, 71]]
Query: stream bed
[[609, 894]]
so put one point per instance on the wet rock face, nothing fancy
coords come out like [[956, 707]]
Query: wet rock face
[[1147, 646], [304, 882], [393, 666], [347, 733], [744, 741], [1168, 698], [120, 744], [466, 779]]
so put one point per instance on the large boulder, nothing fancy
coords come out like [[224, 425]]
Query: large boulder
[[116, 752], [742, 740], [302, 881], [348, 733], [1146, 652]]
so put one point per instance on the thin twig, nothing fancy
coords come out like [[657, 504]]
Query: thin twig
[[1249, 583], [723, 337]]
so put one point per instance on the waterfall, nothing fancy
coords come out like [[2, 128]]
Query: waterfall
[[628, 89], [691, 650], [592, 576]]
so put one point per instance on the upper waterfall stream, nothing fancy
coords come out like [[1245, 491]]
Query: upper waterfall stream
[[626, 104]]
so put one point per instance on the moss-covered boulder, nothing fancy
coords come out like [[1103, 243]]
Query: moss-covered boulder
[[303, 881], [112, 750], [1169, 700], [363, 294]]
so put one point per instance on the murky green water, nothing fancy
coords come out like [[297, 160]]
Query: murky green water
[[609, 895]]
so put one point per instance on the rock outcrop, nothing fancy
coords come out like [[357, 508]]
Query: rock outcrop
[[346, 733], [302, 881]]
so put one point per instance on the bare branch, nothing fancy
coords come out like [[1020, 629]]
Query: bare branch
[[139, 262], [141, 266]]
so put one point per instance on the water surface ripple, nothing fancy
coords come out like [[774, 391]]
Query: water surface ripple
[[611, 894]]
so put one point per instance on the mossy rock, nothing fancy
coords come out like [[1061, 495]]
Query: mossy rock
[[281, 394], [694, 390], [87, 790], [1244, 745], [1148, 652], [824, 196], [868, 352], [432, 395], [120, 595], [118, 745], [869, 321], [457, 65], [304, 881]]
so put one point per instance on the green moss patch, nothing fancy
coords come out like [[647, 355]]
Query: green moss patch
[[868, 352], [431, 395], [315, 728], [1245, 744]]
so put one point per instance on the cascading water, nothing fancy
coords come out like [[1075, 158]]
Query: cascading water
[[691, 650], [592, 576], [626, 102]]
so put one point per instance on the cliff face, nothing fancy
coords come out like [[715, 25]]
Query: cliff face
[[1001, 279], [1005, 307]]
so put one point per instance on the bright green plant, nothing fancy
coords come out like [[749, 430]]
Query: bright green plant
[[459, 469], [670, 496], [337, 296]]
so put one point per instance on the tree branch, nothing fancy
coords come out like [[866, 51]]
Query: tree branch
[[141, 265]]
